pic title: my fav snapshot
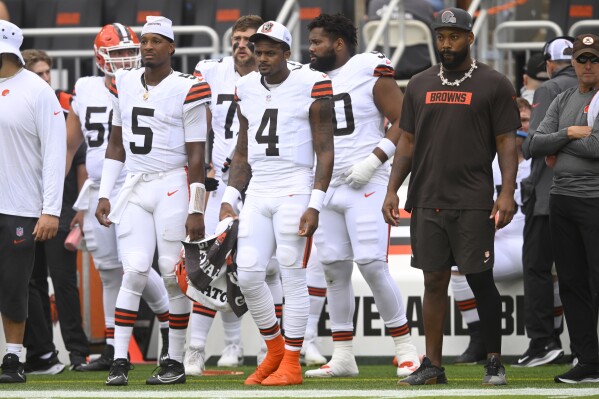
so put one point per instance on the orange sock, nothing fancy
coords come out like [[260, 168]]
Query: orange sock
[[288, 373], [274, 356]]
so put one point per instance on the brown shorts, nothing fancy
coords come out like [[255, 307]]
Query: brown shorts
[[17, 249], [442, 238]]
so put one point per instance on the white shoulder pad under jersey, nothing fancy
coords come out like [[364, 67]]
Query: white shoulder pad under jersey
[[153, 131], [358, 124], [221, 76], [92, 103], [280, 149]]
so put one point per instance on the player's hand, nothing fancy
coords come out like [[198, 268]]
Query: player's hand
[[226, 210], [308, 223], [102, 212], [194, 226], [361, 173], [579, 132], [503, 210], [391, 208], [77, 220], [550, 160], [45, 228]]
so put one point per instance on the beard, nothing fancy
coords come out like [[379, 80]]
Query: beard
[[458, 58], [325, 63]]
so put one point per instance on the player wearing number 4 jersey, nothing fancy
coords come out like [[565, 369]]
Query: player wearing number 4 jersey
[[285, 117], [116, 47], [159, 128], [351, 226]]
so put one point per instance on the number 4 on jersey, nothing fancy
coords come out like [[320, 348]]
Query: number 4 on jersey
[[270, 138]]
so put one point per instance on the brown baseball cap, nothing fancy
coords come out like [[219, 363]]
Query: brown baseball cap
[[586, 43]]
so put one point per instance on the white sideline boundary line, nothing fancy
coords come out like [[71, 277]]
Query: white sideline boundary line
[[378, 394]]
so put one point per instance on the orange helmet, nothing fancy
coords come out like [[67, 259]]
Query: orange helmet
[[112, 38]]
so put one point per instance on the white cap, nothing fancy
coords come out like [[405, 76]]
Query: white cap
[[11, 38], [558, 49], [160, 25], [273, 30]]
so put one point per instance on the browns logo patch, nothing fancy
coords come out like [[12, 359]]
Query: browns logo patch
[[448, 97]]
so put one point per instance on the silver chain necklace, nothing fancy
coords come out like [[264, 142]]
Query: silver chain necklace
[[457, 82]]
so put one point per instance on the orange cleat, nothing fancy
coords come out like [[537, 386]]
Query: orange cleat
[[274, 356], [288, 373]]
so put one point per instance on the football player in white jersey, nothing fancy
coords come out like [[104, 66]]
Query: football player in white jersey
[[159, 130], [285, 117], [351, 226], [116, 46], [221, 75]]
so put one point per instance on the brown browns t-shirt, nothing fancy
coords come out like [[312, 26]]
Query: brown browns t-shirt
[[455, 129]]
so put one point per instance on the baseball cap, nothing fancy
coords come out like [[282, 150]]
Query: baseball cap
[[558, 49], [453, 18], [274, 31], [11, 38], [586, 43], [536, 68], [160, 25]]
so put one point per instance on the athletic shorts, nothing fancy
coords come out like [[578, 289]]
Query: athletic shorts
[[444, 237], [17, 249]]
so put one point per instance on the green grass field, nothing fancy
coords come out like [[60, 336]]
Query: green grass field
[[375, 381]]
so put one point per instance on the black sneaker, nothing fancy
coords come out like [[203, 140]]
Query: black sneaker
[[102, 363], [12, 370], [427, 374], [119, 372], [78, 360], [494, 372], [169, 372], [164, 351], [539, 355], [474, 353], [48, 366], [580, 373]]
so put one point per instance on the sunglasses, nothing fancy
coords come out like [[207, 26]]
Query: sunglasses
[[582, 59]]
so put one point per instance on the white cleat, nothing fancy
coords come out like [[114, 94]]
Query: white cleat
[[310, 355], [408, 360], [338, 367], [195, 359], [232, 356]]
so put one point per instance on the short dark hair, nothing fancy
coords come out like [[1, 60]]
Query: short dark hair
[[247, 22], [337, 26], [523, 104], [33, 56]]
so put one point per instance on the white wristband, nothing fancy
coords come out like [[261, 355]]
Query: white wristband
[[387, 146], [231, 196], [111, 170], [197, 198], [316, 199]]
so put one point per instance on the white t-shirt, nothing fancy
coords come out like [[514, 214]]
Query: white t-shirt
[[221, 76], [32, 147], [92, 103], [280, 150], [154, 133], [358, 124]]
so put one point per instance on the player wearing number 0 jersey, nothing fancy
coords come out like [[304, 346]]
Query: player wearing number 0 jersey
[[352, 228], [285, 117], [116, 46], [159, 129]]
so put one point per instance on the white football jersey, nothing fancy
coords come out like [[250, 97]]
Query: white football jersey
[[153, 133], [92, 103], [280, 149], [221, 76], [357, 122], [523, 173]]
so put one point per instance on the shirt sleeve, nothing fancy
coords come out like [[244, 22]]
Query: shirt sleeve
[[116, 110], [51, 130], [406, 121], [195, 124], [548, 139], [505, 114]]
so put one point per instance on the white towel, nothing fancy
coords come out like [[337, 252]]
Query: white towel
[[82, 203], [117, 210], [593, 109]]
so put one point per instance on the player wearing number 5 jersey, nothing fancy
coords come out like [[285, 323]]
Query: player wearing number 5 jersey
[[159, 129], [351, 226], [116, 46], [285, 117]]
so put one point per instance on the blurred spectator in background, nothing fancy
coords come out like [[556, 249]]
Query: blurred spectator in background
[[414, 58], [4, 11], [52, 257], [534, 75]]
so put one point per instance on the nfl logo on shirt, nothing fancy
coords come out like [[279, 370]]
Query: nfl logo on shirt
[[19, 232]]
